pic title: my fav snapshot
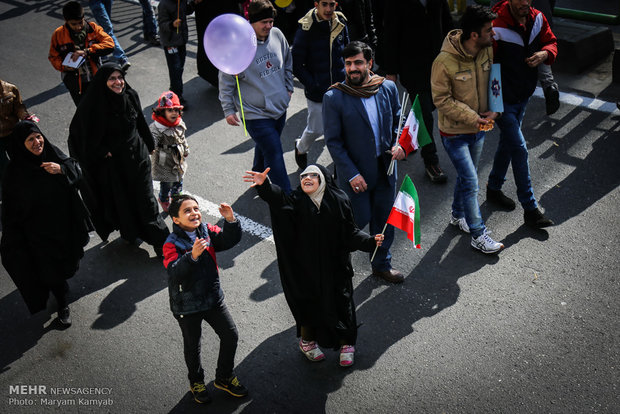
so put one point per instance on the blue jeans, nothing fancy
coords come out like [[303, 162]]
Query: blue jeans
[[512, 148], [149, 24], [464, 152], [175, 59], [102, 10], [168, 189], [268, 152]]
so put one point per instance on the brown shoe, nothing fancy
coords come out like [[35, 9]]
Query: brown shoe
[[392, 275]]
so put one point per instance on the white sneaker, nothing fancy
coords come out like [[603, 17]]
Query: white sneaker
[[461, 223], [311, 350], [346, 355], [486, 244]]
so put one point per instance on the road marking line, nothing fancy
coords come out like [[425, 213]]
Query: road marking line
[[576, 100], [247, 224]]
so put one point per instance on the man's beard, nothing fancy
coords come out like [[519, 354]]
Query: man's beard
[[362, 77]]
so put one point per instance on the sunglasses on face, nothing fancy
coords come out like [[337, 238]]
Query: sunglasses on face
[[309, 175]]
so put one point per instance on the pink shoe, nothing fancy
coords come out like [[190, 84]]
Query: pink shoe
[[311, 350], [346, 355], [164, 205]]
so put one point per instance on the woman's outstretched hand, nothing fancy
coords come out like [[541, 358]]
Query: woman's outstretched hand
[[256, 178]]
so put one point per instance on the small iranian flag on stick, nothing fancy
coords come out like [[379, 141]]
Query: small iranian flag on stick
[[415, 134], [405, 213]]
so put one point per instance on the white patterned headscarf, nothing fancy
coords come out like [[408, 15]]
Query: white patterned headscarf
[[317, 195]]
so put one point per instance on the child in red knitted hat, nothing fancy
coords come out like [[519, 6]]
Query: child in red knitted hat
[[171, 149]]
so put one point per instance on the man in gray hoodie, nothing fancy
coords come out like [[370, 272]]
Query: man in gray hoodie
[[266, 89]]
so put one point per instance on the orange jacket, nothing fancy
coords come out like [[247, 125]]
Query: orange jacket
[[98, 43]]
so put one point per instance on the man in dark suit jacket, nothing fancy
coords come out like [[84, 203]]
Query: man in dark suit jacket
[[360, 118]]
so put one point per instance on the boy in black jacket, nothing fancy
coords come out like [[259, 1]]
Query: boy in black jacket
[[195, 293]]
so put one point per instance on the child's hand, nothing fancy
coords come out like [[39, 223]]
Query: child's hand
[[177, 23], [256, 178], [379, 239], [199, 246], [227, 212]]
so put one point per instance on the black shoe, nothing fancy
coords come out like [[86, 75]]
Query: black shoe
[[153, 40], [64, 316], [200, 393], [536, 219], [552, 99], [301, 159], [231, 386], [392, 275], [498, 198], [125, 66], [435, 174]]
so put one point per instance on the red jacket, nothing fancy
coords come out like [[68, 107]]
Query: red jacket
[[513, 43], [98, 43]]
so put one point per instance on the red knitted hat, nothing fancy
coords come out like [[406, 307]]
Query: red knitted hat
[[168, 99]]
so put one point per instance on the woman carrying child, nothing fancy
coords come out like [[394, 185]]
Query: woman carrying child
[[171, 149], [314, 232]]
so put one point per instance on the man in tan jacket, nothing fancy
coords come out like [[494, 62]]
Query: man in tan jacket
[[459, 83]]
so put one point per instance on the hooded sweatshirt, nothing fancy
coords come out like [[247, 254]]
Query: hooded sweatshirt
[[460, 83], [265, 84]]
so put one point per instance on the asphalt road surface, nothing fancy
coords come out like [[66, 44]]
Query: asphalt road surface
[[531, 330]]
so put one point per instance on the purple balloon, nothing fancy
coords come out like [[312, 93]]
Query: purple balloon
[[230, 43]]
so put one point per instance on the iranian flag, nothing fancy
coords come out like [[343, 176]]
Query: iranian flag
[[415, 134], [405, 213]]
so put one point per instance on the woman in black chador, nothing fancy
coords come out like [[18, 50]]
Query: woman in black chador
[[44, 222], [112, 141], [314, 232]]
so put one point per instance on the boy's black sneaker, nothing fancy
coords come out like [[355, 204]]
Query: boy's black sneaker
[[200, 393], [536, 219], [231, 386], [498, 198]]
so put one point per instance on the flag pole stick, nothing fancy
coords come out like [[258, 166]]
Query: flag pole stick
[[390, 170], [376, 247]]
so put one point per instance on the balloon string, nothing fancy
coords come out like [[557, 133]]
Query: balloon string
[[241, 103], [178, 13]]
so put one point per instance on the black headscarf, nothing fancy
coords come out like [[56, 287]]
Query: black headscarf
[[19, 154], [91, 115]]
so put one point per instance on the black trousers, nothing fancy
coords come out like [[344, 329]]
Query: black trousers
[[428, 152], [222, 323]]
